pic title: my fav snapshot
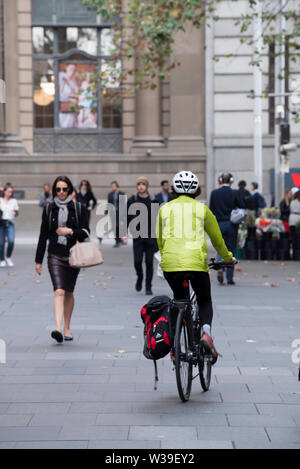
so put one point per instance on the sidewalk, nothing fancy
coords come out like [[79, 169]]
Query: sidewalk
[[97, 392]]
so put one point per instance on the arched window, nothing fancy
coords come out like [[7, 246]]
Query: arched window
[[71, 47]]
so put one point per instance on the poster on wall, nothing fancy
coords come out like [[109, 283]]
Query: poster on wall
[[77, 96]]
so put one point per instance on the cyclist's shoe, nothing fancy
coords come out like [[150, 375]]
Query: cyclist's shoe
[[220, 276], [207, 342]]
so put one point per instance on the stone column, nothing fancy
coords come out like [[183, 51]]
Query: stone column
[[148, 119], [187, 93]]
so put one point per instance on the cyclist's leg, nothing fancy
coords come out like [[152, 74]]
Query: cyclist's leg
[[201, 285], [200, 282], [175, 280]]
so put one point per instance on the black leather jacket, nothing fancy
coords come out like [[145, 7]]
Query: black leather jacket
[[49, 227]]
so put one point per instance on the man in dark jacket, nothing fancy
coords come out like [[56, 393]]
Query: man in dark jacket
[[113, 199], [142, 209], [222, 201], [164, 196]]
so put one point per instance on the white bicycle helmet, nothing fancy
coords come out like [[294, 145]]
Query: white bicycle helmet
[[185, 182]]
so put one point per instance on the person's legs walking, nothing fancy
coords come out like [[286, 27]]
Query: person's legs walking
[[138, 251], [229, 238], [2, 241], [10, 240], [59, 300], [149, 253], [68, 310]]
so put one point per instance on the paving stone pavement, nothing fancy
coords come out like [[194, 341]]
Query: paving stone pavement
[[97, 392]]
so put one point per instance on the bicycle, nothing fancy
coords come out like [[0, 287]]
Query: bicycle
[[186, 348]]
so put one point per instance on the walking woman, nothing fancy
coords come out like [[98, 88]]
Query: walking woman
[[9, 209], [63, 223], [86, 197]]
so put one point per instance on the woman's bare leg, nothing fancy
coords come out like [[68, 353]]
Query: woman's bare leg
[[59, 296], [69, 306]]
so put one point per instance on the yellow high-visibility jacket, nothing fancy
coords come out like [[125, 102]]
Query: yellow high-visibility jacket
[[180, 230]]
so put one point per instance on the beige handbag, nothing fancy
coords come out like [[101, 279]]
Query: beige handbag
[[86, 254]]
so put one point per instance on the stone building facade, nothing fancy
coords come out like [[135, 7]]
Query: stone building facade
[[43, 41]]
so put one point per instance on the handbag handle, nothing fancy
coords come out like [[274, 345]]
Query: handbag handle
[[83, 229]]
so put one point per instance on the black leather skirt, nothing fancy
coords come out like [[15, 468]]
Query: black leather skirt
[[63, 276]]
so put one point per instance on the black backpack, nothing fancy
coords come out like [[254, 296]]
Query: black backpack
[[157, 332]]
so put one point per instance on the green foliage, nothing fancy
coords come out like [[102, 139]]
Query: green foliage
[[149, 28]]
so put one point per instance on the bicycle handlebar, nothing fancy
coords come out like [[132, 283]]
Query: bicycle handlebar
[[220, 265]]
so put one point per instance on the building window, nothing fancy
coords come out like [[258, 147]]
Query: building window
[[69, 101]]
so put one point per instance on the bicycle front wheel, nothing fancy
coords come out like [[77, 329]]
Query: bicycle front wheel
[[183, 344]]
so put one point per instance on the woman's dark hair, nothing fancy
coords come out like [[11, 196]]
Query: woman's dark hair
[[193, 196], [255, 185], [62, 179], [8, 185], [88, 185]]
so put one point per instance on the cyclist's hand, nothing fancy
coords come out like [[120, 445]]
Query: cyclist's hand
[[233, 261]]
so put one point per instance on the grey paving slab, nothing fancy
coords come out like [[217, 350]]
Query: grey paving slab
[[256, 435], [124, 444], [162, 432], [7, 445], [38, 408], [8, 420], [101, 407], [196, 444], [29, 433], [76, 420], [214, 420], [257, 397], [261, 420], [52, 445], [127, 419], [287, 435], [94, 433]]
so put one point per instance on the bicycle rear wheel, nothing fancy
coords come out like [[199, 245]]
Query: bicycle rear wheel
[[183, 344], [205, 366]]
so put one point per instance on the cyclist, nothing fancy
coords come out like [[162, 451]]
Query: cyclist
[[180, 230]]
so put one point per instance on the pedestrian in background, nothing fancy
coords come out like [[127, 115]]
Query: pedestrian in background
[[86, 197], [222, 201], [284, 207], [64, 222], [294, 216], [143, 244], [164, 196], [9, 209], [113, 200], [258, 199], [244, 197], [45, 197]]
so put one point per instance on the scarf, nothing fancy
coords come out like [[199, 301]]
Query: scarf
[[62, 216]]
